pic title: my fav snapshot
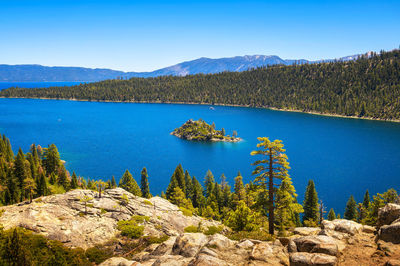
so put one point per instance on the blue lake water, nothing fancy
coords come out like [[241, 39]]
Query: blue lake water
[[98, 140], [6, 85]]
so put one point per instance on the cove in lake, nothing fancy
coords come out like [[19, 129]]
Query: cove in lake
[[98, 140]]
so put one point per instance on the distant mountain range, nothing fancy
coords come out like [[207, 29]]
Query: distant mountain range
[[38, 73]]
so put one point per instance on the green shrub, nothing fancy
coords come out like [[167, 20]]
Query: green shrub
[[140, 218], [98, 255], [310, 223], [156, 240], [22, 247], [212, 230], [192, 229], [186, 212], [103, 211], [257, 235], [148, 202], [130, 229]]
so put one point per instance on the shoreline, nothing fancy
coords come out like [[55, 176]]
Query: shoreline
[[215, 104], [226, 139]]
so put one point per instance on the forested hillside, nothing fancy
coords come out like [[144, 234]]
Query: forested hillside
[[367, 87]]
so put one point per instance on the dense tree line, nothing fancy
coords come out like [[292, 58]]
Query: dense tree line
[[367, 87]]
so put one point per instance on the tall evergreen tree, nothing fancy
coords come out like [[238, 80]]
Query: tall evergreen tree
[[128, 183], [366, 200], [113, 183], [286, 204], [310, 203], [144, 184], [177, 179], [42, 189], [74, 181], [273, 165], [63, 178], [189, 185], [198, 198], [51, 159], [350, 212], [208, 184], [239, 191]]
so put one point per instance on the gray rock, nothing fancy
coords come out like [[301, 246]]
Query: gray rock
[[207, 260], [343, 226], [221, 242], [368, 229], [189, 244], [388, 214], [245, 244], [118, 261], [291, 247], [305, 259], [317, 244], [390, 233], [306, 231]]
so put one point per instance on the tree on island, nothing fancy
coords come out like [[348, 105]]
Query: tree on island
[[273, 165]]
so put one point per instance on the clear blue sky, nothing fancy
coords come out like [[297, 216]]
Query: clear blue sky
[[147, 35]]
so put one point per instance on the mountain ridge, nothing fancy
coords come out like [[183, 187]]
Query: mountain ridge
[[205, 65]]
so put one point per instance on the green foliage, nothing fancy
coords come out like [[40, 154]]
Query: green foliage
[[128, 183], [351, 209], [140, 218], [331, 215], [144, 184], [130, 228], [22, 247], [212, 230], [147, 202], [98, 254], [186, 212], [256, 235], [242, 219], [191, 229], [272, 165], [310, 203]]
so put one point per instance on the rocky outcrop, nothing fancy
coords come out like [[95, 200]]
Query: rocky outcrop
[[388, 214], [342, 226], [389, 223], [62, 217], [317, 244], [305, 259]]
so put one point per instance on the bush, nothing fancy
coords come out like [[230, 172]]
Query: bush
[[140, 218], [257, 235], [103, 211], [98, 255], [192, 229], [130, 229], [212, 230], [310, 223], [156, 240], [186, 212], [148, 202]]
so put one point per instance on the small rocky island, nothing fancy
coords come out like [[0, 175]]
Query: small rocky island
[[201, 131]]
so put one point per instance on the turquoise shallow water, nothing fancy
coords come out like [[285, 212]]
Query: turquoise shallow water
[[98, 140]]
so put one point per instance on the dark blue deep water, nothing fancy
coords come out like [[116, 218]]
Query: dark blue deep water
[[98, 140]]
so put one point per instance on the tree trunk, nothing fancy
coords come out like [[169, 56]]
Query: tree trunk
[[271, 196]]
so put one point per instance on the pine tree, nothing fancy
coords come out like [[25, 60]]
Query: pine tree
[[286, 204], [208, 184], [273, 165], [128, 183], [331, 215], [310, 203], [74, 181], [144, 184], [63, 178], [178, 197], [177, 179], [51, 159], [42, 189], [350, 212], [53, 178], [113, 183], [366, 200], [19, 168], [242, 219], [239, 191], [29, 187], [198, 198], [189, 185]]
